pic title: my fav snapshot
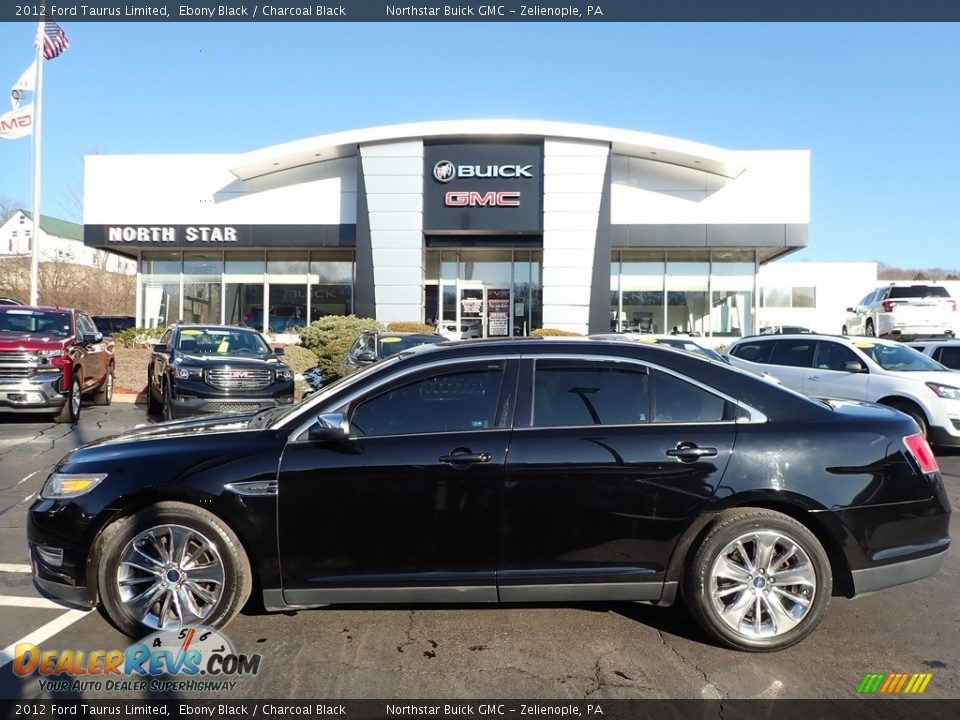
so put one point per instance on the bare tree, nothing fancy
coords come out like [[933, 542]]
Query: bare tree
[[7, 208]]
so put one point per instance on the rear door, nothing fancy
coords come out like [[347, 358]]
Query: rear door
[[832, 374], [608, 463]]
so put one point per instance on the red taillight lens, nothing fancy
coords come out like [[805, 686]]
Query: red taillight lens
[[953, 305], [888, 305], [920, 449]]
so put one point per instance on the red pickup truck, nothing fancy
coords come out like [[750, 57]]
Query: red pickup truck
[[50, 358]]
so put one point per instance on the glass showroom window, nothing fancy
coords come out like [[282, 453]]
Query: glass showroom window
[[331, 283], [243, 286], [688, 282], [641, 307], [202, 287], [160, 281], [287, 288], [732, 278]]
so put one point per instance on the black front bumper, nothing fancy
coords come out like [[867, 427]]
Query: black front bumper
[[193, 397]]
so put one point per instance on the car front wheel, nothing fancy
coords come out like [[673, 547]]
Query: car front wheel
[[759, 580], [171, 565]]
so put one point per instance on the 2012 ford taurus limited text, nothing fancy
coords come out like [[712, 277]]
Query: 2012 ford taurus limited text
[[510, 471]]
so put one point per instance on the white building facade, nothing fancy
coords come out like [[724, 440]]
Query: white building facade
[[505, 226]]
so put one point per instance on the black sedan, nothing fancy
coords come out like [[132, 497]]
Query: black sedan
[[504, 471]]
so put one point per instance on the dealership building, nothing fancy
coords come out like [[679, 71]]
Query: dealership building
[[503, 226]]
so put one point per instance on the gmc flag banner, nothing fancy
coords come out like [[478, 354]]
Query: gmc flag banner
[[16, 123]]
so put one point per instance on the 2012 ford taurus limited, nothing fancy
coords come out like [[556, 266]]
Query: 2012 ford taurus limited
[[504, 471]]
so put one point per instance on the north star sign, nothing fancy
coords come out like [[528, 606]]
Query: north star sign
[[165, 234]]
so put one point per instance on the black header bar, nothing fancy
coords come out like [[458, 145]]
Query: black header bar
[[495, 11]]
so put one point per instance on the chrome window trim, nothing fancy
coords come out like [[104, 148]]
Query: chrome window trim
[[754, 415]]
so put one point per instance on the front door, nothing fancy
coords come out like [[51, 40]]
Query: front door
[[484, 310], [609, 462], [408, 507]]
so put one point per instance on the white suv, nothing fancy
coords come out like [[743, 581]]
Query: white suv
[[880, 371], [903, 311], [945, 352]]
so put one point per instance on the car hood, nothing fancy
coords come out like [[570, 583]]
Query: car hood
[[30, 341], [206, 425], [942, 377]]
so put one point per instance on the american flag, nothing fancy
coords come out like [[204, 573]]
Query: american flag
[[54, 40]]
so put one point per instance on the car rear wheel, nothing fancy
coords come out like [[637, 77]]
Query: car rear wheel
[[171, 565], [759, 580], [104, 396], [153, 405], [70, 413], [843, 330]]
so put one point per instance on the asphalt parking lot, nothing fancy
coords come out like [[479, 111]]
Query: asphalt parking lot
[[519, 652]]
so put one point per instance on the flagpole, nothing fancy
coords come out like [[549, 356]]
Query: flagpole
[[37, 114]]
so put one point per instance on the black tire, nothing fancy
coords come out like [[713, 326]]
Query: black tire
[[153, 405], [236, 573], [104, 394], [70, 413], [701, 583], [843, 330], [871, 331], [908, 408], [167, 404]]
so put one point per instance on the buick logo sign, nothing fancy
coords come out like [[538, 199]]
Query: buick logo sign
[[444, 171]]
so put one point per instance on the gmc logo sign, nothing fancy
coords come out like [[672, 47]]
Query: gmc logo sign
[[240, 374], [472, 198]]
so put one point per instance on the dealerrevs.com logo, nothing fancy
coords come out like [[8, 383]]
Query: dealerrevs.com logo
[[184, 659]]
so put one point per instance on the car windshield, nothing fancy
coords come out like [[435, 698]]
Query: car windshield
[[35, 322], [898, 357], [221, 341], [392, 344]]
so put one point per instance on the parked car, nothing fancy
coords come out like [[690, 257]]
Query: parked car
[[945, 352], [375, 345], [466, 330], [50, 359], [111, 324], [215, 369], [9, 301], [516, 471], [784, 330], [902, 312], [881, 371]]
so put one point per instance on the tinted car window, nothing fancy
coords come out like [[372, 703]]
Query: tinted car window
[[757, 351], [918, 291], [794, 353], [677, 400], [450, 402], [949, 356], [570, 395], [898, 357], [834, 356], [392, 344]]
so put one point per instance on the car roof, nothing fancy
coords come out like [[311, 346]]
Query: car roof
[[45, 308], [214, 326], [848, 339], [951, 341]]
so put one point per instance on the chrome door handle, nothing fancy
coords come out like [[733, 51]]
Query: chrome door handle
[[463, 457], [688, 452]]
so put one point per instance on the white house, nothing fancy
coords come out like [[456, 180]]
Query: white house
[[59, 240]]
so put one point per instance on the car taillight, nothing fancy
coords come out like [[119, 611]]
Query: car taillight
[[920, 449], [888, 305], [952, 304]]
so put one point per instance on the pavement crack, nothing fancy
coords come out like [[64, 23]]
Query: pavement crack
[[710, 685]]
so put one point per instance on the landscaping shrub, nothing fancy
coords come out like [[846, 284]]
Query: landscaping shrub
[[409, 326], [298, 358], [554, 332], [139, 337], [330, 339]]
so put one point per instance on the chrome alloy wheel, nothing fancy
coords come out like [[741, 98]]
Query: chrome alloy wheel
[[169, 576], [75, 398], [762, 584]]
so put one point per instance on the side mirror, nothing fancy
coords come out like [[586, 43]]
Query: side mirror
[[278, 351], [92, 337], [161, 348], [854, 367], [330, 426], [850, 309], [366, 357]]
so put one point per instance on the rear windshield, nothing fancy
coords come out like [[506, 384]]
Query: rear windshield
[[915, 291]]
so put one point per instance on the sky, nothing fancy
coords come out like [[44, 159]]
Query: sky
[[877, 105]]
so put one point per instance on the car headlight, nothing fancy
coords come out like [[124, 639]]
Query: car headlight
[[284, 374], [188, 373], [945, 391], [49, 353], [68, 485]]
